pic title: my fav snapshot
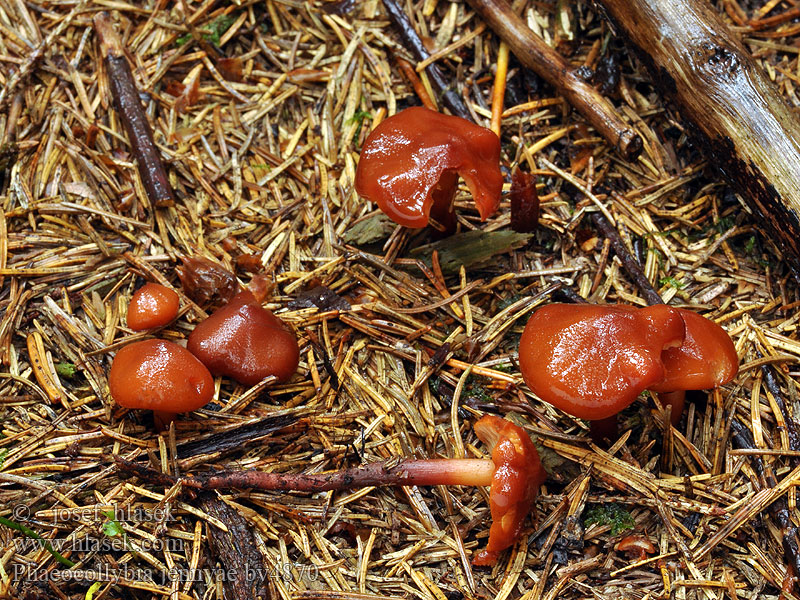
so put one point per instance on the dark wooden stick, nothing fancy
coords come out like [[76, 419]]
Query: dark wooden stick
[[413, 42], [750, 133], [790, 539], [629, 263], [131, 113], [236, 552], [534, 53]]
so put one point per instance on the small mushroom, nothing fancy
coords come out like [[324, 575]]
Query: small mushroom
[[152, 306], [410, 163], [246, 342], [515, 483], [160, 376], [636, 547], [593, 361], [514, 474], [706, 359]]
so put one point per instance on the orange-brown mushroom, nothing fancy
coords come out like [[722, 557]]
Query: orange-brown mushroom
[[246, 342], [593, 361], [160, 376], [514, 474], [152, 305], [410, 163], [515, 483], [705, 359]]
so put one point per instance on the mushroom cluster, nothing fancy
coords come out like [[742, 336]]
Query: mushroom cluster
[[593, 361], [241, 339]]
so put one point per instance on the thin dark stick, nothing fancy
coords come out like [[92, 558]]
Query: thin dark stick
[[779, 509], [774, 388], [534, 53], [412, 40], [131, 113], [631, 266]]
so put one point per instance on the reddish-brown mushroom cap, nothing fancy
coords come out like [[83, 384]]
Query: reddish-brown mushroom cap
[[206, 281], [410, 163], [706, 359], [151, 306], [593, 361], [515, 483], [246, 342], [161, 376]]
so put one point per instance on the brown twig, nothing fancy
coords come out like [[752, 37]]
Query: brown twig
[[412, 40], [629, 263], [236, 551], [534, 53], [790, 539], [407, 69], [131, 113]]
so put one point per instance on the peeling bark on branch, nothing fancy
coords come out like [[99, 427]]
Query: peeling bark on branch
[[749, 131]]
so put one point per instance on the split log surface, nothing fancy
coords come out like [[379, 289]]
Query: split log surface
[[749, 131]]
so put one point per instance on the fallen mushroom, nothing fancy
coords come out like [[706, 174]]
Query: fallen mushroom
[[410, 163], [246, 342], [593, 361], [205, 281], [160, 376], [636, 547], [514, 474], [706, 359], [151, 306]]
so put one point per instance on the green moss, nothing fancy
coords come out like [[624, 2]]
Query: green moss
[[66, 369], [612, 515], [213, 32], [671, 282]]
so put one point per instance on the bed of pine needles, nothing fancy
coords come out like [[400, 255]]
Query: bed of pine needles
[[404, 345]]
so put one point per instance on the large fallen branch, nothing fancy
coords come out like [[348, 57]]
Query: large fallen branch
[[533, 52], [749, 131]]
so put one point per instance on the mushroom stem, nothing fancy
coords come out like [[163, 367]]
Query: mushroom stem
[[162, 419], [514, 474], [676, 400], [437, 471], [604, 429]]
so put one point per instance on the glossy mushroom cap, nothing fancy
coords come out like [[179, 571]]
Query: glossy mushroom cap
[[151, 306], [593, 361], [411, 162], [706, 359], [161, 376], [515, 483], [246, 342]]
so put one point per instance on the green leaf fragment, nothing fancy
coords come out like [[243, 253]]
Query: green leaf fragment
[[372, 229], [471, 248]]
